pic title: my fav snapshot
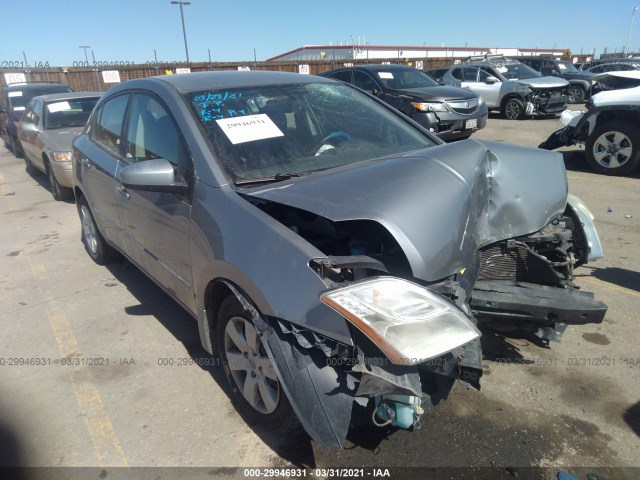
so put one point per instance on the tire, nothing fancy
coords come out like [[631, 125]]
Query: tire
[[58, 191], [513, 109], [576, 94], [255, 387], [30, 168], [94, 243], [16, 148], [613, 148]]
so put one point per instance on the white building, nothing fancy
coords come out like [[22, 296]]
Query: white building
[[378, 52]]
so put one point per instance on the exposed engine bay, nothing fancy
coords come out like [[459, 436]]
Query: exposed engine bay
[[523, 283]]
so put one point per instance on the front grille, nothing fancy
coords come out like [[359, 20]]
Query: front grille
[[464, 107]]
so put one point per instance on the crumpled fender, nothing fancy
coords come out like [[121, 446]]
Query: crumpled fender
[[318, 397]]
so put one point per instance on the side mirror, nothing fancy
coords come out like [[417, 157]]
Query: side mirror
[[153, 176], [555, 73], [376, 92], [490, 80], [440, 81]]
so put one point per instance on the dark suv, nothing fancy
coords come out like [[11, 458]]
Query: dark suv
[[451, 113], [13, 102], [579, 82]]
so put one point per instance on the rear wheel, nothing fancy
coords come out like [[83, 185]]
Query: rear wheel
[[513, 109], [613, 148], [97, 248], [16, 148], [58, 191], [255, 386]]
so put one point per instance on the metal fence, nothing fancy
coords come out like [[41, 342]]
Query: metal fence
[[85, 79]]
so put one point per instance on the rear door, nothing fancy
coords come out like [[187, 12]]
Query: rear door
[[29, 131], [99, 152], [156, 225]]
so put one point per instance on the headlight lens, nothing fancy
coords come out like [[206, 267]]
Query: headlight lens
[[429, 106], [62, 156], [407, 322]]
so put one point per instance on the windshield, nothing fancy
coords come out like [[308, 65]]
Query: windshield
[[516, 71], [68, 113], [283, 130], [398, 79], [566, 66]]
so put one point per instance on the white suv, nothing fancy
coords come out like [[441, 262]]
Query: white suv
[[609, 129]]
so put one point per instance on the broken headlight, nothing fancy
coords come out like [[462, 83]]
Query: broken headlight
[[409, 323]]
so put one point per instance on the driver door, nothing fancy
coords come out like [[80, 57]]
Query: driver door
[[156, 225]]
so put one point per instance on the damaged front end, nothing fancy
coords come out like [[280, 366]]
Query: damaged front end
[[418, 250]]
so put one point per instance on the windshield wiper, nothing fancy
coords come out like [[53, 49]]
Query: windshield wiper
[[278, 177]]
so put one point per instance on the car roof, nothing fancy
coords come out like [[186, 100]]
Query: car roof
[[225, 79], [29, 85], [52, 97], [375, 67]]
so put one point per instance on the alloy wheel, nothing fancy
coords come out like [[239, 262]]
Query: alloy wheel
[[88, 229], [612, 149], [251, 368]]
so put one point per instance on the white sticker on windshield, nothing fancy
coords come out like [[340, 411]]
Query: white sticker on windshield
[[58, 107], [503, 69], [388, 75], [15, 94], [249, 128], [562, 67], [18, 109]]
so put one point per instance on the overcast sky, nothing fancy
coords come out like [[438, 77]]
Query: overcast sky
[[130, 30]]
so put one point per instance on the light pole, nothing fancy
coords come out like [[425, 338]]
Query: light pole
[[633, 14], [86, 59], [184, 31]]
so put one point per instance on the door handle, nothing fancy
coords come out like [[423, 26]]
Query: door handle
[[123, 191]]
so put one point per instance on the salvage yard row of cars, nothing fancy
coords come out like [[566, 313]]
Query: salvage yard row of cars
[[294, 218]]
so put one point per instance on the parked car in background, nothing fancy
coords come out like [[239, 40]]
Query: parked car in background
[[509, 86], [600, 61], [614, 67], [609, 129], [13, 102], [579, 82], [47, 129], [449, 112], [335, 254]]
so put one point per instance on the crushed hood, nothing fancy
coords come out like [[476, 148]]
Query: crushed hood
[[543, 82], [441, 203]]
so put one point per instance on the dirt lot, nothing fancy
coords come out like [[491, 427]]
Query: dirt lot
[[115, 376]]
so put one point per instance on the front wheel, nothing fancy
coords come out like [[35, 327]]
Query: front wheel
[[255, 386], [513, 109], [58, 191], [576, 94], [613, 148], [97, 248]]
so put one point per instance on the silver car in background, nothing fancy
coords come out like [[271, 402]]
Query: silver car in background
[[48, 126], [511, 87]]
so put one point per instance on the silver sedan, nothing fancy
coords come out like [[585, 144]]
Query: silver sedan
[[47, 128]]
